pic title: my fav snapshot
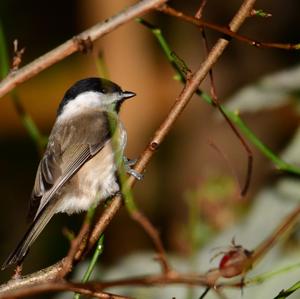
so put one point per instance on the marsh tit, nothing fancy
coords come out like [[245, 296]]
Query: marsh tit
[[78, 169]]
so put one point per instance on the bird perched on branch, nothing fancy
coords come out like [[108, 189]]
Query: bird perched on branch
[[78, 168]]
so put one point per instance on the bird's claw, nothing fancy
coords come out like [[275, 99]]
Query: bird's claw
[[131, 162]]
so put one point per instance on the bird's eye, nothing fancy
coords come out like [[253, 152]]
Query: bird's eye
[[103, 90]]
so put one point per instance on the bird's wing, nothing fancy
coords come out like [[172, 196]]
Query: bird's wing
[[71, 144]]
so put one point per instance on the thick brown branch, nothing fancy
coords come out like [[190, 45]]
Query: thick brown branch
[[72, 45]]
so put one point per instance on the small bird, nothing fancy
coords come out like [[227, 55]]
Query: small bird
[[78, 169]]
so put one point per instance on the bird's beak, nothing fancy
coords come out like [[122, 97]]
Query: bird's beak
[[127, 95]]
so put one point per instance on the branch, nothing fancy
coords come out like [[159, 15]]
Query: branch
[[287, 223], [45, 275], [73, 45], [226, 31], [87, 289], [93, 288], [216, 102]]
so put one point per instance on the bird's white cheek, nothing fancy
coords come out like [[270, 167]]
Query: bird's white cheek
[[83, 102]]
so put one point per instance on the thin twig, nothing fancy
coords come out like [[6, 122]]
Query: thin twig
[[154, 235], [287, 223], [217, 103], [73, 251], [228, 33], [226, 159]]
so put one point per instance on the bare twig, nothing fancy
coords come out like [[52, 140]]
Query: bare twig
[[226, 31], [226, 159], [75, 250], [245, 146], [217, 103], [104, 220], [154, 235], [286, 224], [71, 46]]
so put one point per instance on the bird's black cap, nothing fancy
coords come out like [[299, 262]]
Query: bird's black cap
[[88, 84]]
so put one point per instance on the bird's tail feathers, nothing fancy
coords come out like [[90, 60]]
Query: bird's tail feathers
[[17, 256]]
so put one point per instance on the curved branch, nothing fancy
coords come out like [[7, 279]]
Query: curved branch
[[73, 45]]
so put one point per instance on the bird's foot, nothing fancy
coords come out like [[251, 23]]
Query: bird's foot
[[128, 164]]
